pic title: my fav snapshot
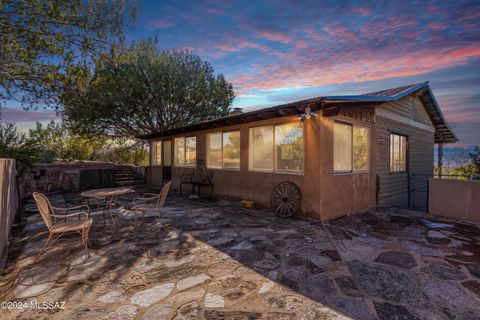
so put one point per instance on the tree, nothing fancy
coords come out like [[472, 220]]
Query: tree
[[57, 142], [16, 145], [475, 159], [42, 41], [138, 90]]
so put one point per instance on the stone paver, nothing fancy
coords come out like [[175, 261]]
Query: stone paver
[[150, 296], [204, 259], [192, 281]]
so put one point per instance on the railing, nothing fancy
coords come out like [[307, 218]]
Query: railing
[[456, 176]]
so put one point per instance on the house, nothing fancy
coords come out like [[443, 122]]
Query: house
[[345, 153]]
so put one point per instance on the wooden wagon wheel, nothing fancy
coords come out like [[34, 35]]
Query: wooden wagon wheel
[[286, 199]]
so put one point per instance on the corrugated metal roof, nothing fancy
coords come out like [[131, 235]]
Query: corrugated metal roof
[[443, 132]]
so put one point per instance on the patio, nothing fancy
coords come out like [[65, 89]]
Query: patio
[[210, 259]]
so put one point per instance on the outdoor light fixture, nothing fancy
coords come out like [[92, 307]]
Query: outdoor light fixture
[[307, 115]]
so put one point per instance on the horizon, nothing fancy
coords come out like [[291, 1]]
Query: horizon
[[277, 52]]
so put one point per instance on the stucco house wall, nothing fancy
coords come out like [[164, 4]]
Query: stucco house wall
[[325, 195], [410, 111]]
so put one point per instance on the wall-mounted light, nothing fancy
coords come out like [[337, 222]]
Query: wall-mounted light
[[307, 115]]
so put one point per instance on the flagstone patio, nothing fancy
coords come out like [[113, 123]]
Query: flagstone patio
[[207, 259]]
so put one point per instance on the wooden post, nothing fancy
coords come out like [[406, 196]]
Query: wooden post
[[440, 159]]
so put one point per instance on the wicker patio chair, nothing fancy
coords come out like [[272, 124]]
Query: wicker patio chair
[[56, 227], [144, 204]]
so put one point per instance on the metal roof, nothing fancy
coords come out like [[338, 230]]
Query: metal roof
[[443, 132]]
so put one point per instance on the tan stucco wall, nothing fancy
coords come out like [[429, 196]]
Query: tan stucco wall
[[459, 199], [325, 195], [8, 200], [348, 192]]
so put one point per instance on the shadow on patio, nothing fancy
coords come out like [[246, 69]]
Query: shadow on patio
[[205, 259]]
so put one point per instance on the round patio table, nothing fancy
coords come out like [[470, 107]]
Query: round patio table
[[108, 195]]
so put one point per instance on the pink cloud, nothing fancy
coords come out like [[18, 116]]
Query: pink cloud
[[274, 36], [312, 34], [387, 26], [342, 33], [161, 24], [317, 71], [19, 115], [281, 38], [360, 11], [437, 26]]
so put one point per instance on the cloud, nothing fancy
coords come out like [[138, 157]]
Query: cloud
[[161, 24], [18, 115]]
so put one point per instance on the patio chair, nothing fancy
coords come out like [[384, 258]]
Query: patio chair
[[144, 206], [58, 228]]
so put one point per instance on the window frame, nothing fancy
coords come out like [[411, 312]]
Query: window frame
[[154, 153], [352, 126], [395, 133], [166, 142], [207, 146], [274, 145], [184, 165]]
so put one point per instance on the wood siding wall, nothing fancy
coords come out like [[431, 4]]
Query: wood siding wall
[[392, 117]]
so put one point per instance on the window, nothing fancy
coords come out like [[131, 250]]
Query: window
[[261, 148], [185, 151], [398, 153], [350, 148], [223, 150], [214, 150], [167, 153], [231, 150], [277, 148], [289, 147], [342, 147], [190, 151], [179, 152], [157, 153], [360, 148]]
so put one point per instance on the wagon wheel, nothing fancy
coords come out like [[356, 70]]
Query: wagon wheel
[[286, 199]]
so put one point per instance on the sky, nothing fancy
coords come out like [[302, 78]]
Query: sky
[[275, 52]]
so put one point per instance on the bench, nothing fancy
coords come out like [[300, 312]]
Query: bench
[[198, 178]]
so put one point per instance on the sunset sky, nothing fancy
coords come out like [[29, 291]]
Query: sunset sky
[[276, 52]]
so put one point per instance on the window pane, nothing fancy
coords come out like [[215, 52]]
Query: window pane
[[167, 153], [231, 150], [261, 148], [191, 151], [391, 152], [214, 150], [403, 154], [157, 152], [289, 147], [360, 148], [398, 152], [179, 152], [342, 147]]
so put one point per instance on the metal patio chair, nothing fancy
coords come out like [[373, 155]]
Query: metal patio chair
[[56, 227], [144, 204]]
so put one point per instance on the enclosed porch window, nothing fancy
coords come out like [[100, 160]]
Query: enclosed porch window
[[223, 150], [157, 153], [278, 148], [185, 151], [350, 148]]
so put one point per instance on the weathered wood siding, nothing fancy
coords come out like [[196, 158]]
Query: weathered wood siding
[[408, 117]]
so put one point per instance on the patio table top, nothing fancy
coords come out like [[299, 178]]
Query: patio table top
[[106, 192]]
